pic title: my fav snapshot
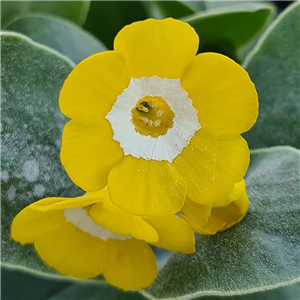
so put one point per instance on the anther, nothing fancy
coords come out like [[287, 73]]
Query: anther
[[144, 119], [143, 108], [150, 123]]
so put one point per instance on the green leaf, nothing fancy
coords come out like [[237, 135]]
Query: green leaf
[[196, 5], [18, 285], [211, 5], [290, 292], [51, 289], [274, 67], [261, 252], [107, 18], [165, 9], [32, 76], [87, 291], [32, 287], [73, 10], [62, 35], [227, 30]]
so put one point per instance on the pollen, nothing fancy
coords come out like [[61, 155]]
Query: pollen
[[143, 119], [152, 116], [157, 123], [153, 104], [159, 113]]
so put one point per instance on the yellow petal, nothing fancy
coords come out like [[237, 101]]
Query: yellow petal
[[212, 164], [160, 48], [62, 203], [118, 221], [212, 226], [174, 234], [130, 264], [146, 188], [30, 225], [88, 152], [205, 219], [238, 190], [196, 215], [93, 86], [222, 92], [72, 252], [233, 212]]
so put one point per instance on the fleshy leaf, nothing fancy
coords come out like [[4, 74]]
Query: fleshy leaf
[[10, 279], [32, 76], [73, 10], [52, 289], [290, 292], [196, 5], [33, 287], [259, 253], [62, 35], [165, 9], [278, 5], [274, 67], [226, 30], [106, 18], [212, 5]]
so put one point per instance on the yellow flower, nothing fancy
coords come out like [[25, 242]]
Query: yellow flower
[[221, 215], [87, 236], [155, 123]]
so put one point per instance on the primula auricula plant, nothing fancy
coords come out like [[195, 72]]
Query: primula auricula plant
[[155, 131]]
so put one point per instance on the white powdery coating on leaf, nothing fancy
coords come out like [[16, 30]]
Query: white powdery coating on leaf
[[164, 147], [11, 193], [4, 176], [31, 170], [81, 219], [39, 190]]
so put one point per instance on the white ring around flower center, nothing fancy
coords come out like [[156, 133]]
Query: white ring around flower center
[[163, 147], [81, 219]]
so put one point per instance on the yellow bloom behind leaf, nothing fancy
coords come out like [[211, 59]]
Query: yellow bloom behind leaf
[[86, 236], [221, 215]]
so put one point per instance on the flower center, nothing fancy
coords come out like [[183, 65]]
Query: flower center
[[152, 116]]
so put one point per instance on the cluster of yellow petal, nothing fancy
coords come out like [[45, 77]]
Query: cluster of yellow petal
[[105, 240], [214, 159], [131, 199]]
